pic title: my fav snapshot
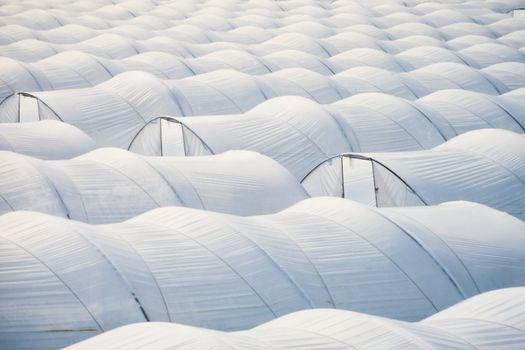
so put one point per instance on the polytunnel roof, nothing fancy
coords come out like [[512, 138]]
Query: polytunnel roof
[[361, 123], [485, 166], [310, 255], [296, 132], [125, 103], [47, 139], [356, 330], [155, 26], [35, 34], [133, 38], [95, 238], [108, 185], [446, 22], [300, 133], [456, 327]]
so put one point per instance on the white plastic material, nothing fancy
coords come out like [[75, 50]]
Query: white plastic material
[[491, 320], [63, 280], [485, 166], [110, 185], [47, 139]]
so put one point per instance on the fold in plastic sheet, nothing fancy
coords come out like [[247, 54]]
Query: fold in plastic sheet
[[392, 189], [110, 185], [485, 166], [230, 273]]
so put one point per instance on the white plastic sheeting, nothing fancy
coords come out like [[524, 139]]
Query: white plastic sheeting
[[300, 133], [85, 71], [110, 185], [485, 166], [119, 46], [491, 320], [47, 139], [445, 20], [324, 29], [76, 69], [113, 112], [323, 51], [63, 280], [111, 10], [113, 68]]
